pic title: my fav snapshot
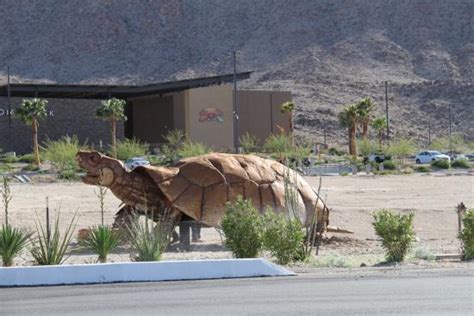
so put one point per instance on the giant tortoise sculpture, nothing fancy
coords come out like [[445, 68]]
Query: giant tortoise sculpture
[[199, 187]]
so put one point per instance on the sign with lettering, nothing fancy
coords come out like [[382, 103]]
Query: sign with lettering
[[6, 112]]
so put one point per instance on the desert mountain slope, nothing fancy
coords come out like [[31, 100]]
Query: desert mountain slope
[[328, 53]]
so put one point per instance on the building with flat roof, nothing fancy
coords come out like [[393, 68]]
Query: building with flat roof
[[202, 107]]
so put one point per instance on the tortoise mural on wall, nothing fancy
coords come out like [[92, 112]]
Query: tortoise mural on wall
[[199, 187]]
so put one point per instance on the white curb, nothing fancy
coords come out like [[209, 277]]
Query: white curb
[[139, 272]]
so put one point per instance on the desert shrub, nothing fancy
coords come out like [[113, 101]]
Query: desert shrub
[[460, 163], [282, 236], [242, 227], [457, 143], [396, 231], [30, 167], [440, 164], [4, 168], [367, 147], [12, 243], [68, 173], [336, 152], [149, 240], [401, 148], [130, 148], [249, 143], [422, 169], [278, 143], [102, 240], [62, 152], [467, 235], [174, 140], [389, 165], [192, 149], [423, 254], [27, 158], [50, 247], [9, 158]]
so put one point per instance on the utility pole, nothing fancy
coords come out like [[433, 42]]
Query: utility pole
[[429, 134], [450, 123], [325, 135], [9, 114], [386, 113], [235, 106]]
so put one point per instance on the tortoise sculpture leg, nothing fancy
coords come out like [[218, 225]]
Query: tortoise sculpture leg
[[184, 243]]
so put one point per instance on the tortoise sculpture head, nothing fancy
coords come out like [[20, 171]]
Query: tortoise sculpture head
[[101, 170]]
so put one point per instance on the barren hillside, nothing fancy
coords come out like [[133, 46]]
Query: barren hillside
[[328, 53]]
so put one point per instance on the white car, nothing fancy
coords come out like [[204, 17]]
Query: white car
[[430, 156]]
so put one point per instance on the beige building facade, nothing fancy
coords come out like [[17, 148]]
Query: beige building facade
[[206, 115]]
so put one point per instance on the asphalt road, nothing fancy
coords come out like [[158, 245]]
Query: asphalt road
[[433, 293]]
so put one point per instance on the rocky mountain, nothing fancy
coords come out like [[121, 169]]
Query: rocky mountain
[[327, 52]]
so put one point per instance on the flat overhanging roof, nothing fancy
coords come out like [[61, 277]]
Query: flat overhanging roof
[[31, 90]]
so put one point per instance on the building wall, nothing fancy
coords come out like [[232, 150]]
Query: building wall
[[260, 112], [65, 117], [209, 116], [153, 117]]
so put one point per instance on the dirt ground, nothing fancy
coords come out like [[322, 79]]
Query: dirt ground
[[352, 199]]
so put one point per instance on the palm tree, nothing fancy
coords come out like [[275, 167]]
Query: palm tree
[[364, 111], [112, 110], [288, 108], [348, 118], [31, 112], [380, 124]]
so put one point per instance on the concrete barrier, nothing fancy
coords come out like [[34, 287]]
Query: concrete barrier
[[139, 272]]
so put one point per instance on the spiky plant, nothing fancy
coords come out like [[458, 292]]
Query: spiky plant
[[149, 240], [49, 249], [12, 242], [102, 240]]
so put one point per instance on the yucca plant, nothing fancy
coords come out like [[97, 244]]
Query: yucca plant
[[149, 240], [12, 242], [49, 249], [102, 240]]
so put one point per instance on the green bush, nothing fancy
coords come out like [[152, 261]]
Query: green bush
[[467, 235], [50, 247], [282, 236], [440, 164], [130, 148], [68, 174], [193, 149], [396, 231], [460, 163], [242, 226], [10, 158], [12, 243], [102, 240], [335, 152], [30, 167], [422, 169], [249, 143], [28, 158], [389, 165], [148, 240], [62, 152]]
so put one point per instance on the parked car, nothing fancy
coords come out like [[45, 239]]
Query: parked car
[[458, 157], [132, 163], [470, 157], [430, 156]]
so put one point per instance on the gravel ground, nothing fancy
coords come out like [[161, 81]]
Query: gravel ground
[[352, 199]]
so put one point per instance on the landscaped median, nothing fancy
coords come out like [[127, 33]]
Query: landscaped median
[[139, 272]]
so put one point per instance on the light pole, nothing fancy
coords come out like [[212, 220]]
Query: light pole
[[450, 123], [235, 106], [386, 113]]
